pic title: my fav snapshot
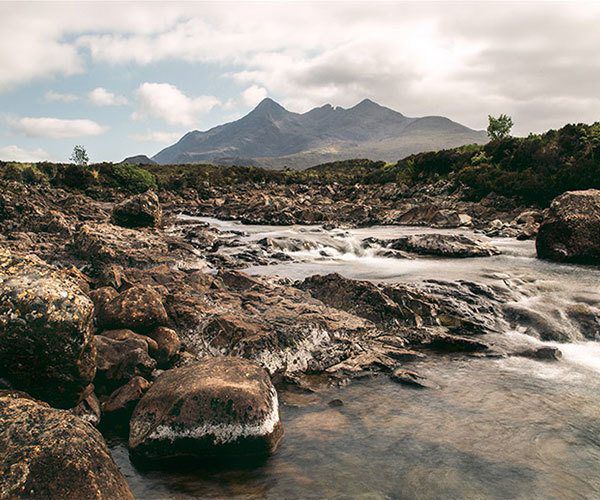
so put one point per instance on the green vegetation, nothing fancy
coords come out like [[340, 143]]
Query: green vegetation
[[499, 128], [79, 156], [534, 169]]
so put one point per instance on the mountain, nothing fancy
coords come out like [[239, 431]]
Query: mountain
[[139, 160], [272, 136]]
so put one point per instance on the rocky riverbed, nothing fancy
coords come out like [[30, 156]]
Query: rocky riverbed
[[184, 335]]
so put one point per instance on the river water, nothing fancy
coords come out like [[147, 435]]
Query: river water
[[497, 428]]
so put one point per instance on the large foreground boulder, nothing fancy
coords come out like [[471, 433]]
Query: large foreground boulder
[[143, 210], [49, 453], [570, 231], [222, 406], [46, 344]]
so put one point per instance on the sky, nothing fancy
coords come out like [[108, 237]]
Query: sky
[[132, 78]]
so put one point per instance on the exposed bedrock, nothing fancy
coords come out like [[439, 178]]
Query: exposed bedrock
[[221, 406]]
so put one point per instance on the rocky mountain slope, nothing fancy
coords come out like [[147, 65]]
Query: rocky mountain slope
[[272, 136]]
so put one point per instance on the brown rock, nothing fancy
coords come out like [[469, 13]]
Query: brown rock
[[122, 401], [88, 408], [138, 308], [221, 406], [142, 210], [49, 453], [124, 334], [168, 344]]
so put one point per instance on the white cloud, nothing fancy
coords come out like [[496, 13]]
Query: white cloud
[[167, 102], [253, 95], [102, 97], [56, 128], [157, 136], [15, 153], [53, 96]]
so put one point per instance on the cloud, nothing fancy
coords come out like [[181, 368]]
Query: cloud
[[15, 153], [157, 136], [102, 97], [253, 95], [56, 128], [53, 96], [167, 102]]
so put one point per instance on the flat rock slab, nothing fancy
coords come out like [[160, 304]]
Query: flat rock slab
[[223, 406], [444, 245]]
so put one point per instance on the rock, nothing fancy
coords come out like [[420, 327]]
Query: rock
[[49, 453], [410, 378], [101, 297], [450, 219], [335, 403], [444, 342], [45, 330], [138, 308], [119, 361], [570, 231], [120, 404], [221, 406], [444, 245], [543, 353], [142, 210], [88, 408], [168, 344], [124, 334]]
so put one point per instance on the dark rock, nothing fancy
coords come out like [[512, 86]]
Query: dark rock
[[142, 210], [124, 334], [167, 344], [335, 403], [119, 361], [444, 342], [450, 219], [570, 231], [101, 297], [88, 407], [410, 378], [219, 407], [138, 308], [45, 330], [49, 453], [543, 353]]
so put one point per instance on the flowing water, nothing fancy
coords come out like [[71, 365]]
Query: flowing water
[[496, 428]]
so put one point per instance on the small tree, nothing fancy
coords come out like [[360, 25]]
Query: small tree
[[499, 128], [79, 156]]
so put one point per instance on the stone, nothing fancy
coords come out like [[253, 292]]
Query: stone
[[142, 210], [542, 353], [119, 361], [46, 344], [50, 453], [450, 219], [101, 297], [139, 308], [121, 402], [167, 344], [570, 230], [412, 379], [445, 245], [222, 406], [88, 407], [124, 334]]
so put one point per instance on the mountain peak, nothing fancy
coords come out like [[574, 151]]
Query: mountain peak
[[367, 104], [268, 105]]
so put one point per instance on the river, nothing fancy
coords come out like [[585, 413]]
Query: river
[[496, 428]]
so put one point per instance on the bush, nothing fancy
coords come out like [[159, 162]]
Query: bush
[[24, 172], [132, 178]]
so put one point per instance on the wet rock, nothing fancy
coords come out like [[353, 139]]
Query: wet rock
[[139, 308], [88, 408], [120, 404], [410, 378], [49, 453], [45, 330], [142, 210], [119, 361], [335, 403], [443, 342], [444, 245], [124, 334], [219, 407], [167, 344], [570, 231], [450, 219], [543, 353]]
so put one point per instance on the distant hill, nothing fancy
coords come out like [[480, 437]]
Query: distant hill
[[139, 160], [272, 136]]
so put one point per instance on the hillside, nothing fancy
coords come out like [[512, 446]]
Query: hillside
[[272, 136]]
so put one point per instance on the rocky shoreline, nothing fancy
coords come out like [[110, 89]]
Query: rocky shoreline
[[120, 314]]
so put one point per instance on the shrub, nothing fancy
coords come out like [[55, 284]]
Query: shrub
[[132, 178]]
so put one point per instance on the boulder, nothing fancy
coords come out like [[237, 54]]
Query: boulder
[[450, 219], [119, 361], [222, 406], [139, 308], [570, 230], [445, 245], [88, 407], [124, 334], [46, 344], [167, 344], [142, 210], [412, 379], [542, 353], [50, 453]]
